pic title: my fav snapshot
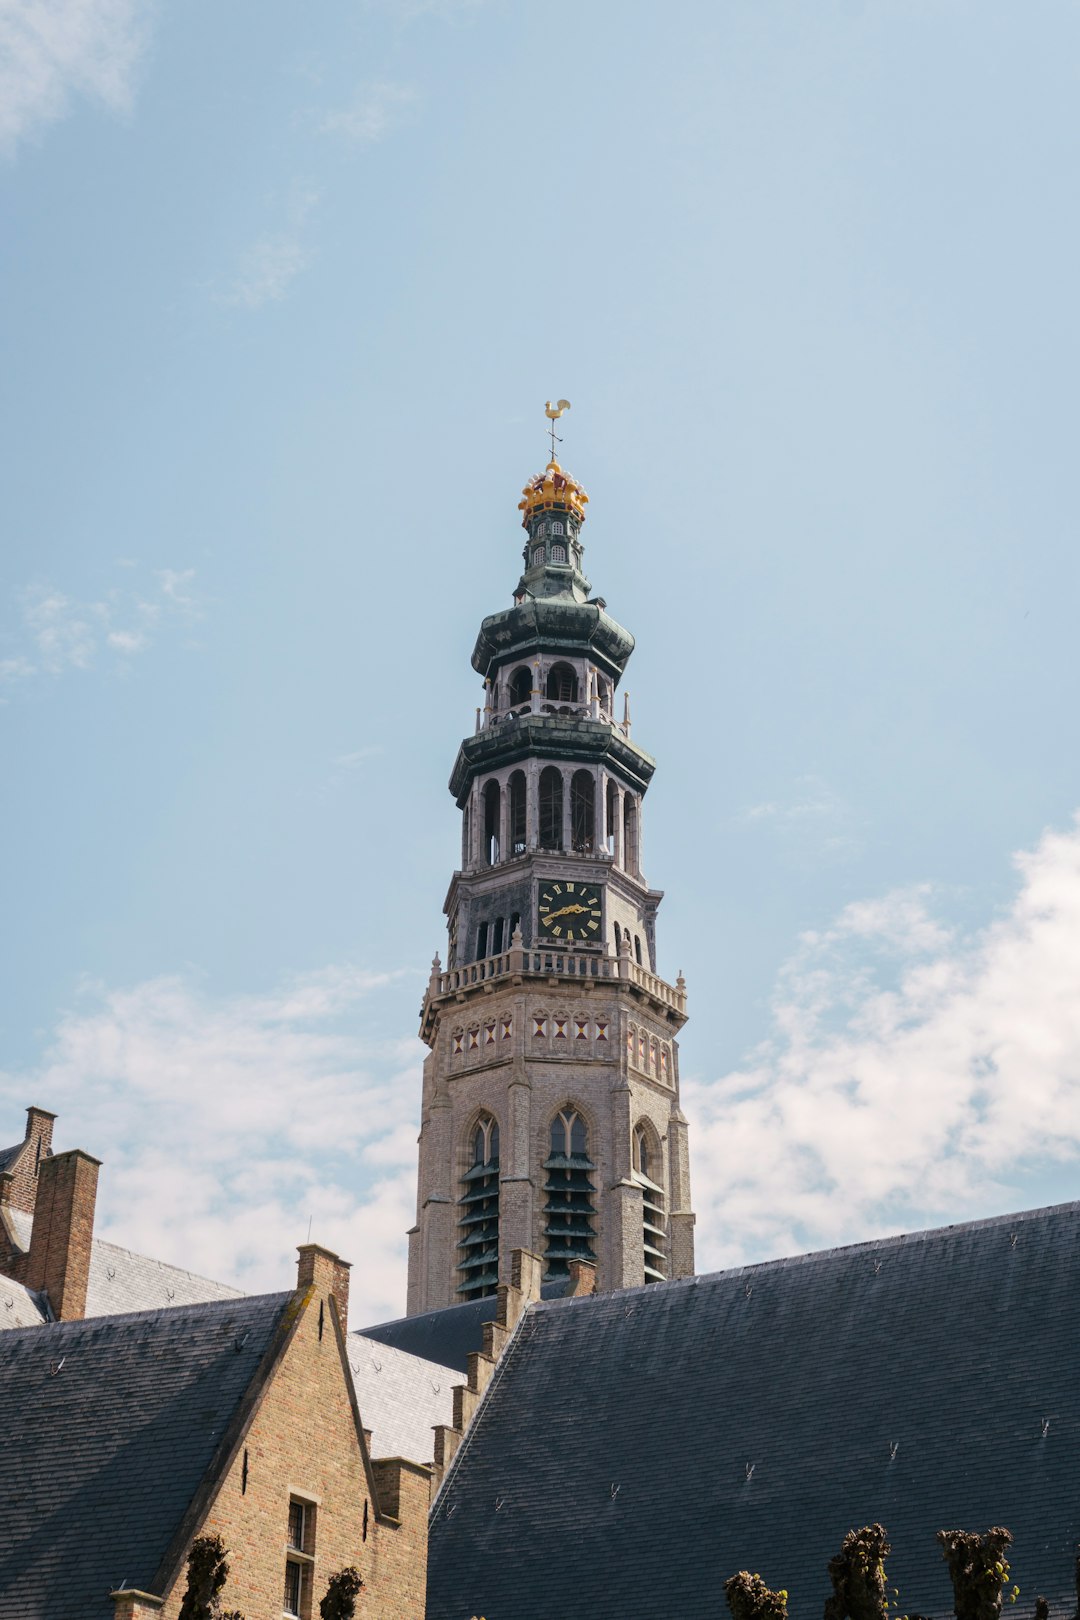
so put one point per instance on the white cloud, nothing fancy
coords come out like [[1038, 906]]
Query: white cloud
[[814, 823], [269, 266], [912, 1074], [54, 51], [226, 1124], [373, 112], [57, 634]]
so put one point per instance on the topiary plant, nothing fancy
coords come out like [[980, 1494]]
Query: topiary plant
[[858, 1576], [341, 1594], [979, 1571], [749, 1598], [207, 1573]]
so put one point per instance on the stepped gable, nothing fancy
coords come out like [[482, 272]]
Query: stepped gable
[[109, 1426], [644, 1445], [448, 1336]]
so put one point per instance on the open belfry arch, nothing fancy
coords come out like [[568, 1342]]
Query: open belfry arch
[[551, 1119]]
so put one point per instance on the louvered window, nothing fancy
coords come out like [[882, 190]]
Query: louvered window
[[653, 1217], [478, 1246], [569, 1211]]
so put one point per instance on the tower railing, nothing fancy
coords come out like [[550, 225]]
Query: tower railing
[[550, 962]]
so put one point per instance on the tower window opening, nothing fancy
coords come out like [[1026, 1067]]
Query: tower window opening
[[538, 556], [478, 1246], [562, 684], [618, 938], [481, 942], [497, 942], [515, 924], [556, 527], [551, 808], [637, 950], [630, 833], [558, 553], [520, 686], [612, 814], [516, 789], [570, 1209], [583, 812], [645, 1156], [492, 816]]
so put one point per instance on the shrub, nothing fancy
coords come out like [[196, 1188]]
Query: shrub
[[749, 1598], [341, 1594], [979, 1571], [207, 1573], [858, 1576]]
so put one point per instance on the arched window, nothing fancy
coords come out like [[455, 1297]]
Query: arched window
[[493, 696], [520, 686], [478, 1246], [645, 1156], [497, 941], [637, 950], [612, 814], [481, 942], [630, 833], [551, 800], [556, 527], [516, 789], [562, 683], [492, 816], [618, 938], [538, 556], [569, 1209], [558, 553], [583, 812]]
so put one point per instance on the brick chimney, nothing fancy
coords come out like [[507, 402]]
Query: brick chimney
[[63, 1231], [330, 1275], [37, 1145]]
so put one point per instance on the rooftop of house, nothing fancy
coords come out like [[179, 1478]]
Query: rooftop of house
[[110, 1424], [401, 1397], [639, 1447], [450, 1335]]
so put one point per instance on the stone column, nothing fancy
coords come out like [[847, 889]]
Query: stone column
[[532, 802], [566, 826], [505, 850]]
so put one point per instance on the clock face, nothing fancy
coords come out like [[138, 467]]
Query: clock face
[[570, 911]]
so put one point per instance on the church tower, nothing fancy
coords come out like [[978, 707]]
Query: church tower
[[551, 1118]]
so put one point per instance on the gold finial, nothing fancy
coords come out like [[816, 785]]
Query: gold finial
[[553, 412], [554, 487]]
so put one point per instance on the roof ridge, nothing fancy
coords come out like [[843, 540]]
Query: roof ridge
[[118, 1318], [196, 1276], [895, 1240]]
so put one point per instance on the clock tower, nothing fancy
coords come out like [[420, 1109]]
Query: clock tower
[[551, 1118]]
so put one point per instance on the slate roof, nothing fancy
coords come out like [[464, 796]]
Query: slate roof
[[450, 1335], [109, 1426], [639, 1447], [20, 1306], [121, 1281], [400, 1397], [10, 1154]]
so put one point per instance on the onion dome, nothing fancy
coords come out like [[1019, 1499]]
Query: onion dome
[[553, 490]]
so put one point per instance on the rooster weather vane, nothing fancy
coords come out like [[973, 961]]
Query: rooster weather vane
[[553, 412]]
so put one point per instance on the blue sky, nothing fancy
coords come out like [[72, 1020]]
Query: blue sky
[[283, 294]]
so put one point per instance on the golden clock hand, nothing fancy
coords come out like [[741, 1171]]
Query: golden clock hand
[[567, 911]]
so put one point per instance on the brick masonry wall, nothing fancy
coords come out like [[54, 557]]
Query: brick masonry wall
[[303, 1443], [22, 1190]]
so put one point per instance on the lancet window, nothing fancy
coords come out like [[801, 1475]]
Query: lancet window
[[516, 789], [492, 811], [478, 1247], [569, 1210], [645, 1156], [520, 686], [551, 808], [583, 812]]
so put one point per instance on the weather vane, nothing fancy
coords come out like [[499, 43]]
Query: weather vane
[[553, 412]]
